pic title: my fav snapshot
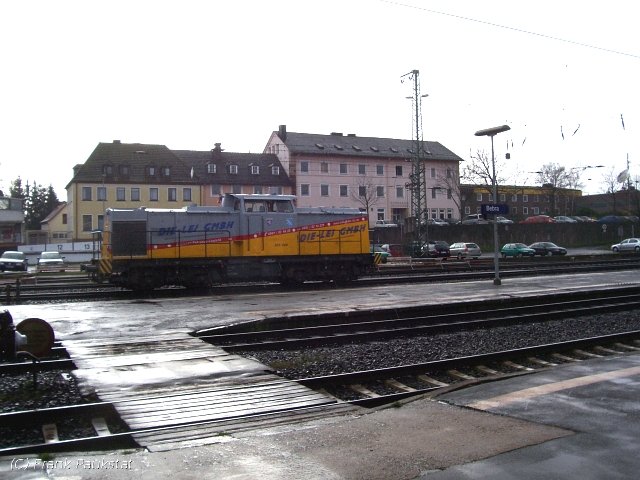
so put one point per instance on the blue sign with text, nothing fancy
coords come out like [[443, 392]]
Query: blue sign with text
[[497, 209]]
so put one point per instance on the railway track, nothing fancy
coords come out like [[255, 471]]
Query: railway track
[[383, 386], [26, 289]]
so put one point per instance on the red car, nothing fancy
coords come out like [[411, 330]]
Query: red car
[[539, 219]]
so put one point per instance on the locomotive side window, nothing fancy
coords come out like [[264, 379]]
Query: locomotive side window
[[129, 238]]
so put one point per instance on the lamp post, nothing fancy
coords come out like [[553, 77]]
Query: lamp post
[[492, 132]]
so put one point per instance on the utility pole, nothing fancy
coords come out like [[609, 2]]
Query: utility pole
[[417, 186]]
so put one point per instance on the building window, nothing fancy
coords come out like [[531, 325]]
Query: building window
[[362, 191], [433, 192], [86, 194], [64, 218], [398, 170], [503, 197], [525, 210], [449, 212], [233, 169], [536, 210], [399, 192], [478, 197], [467, 210], [514, 197], [87, 223], [172, 194], [211, 168], [362, 169], [379, 169], [255, 170], [514, 210], [257, 189], [380, 191], [536, 199], [304, 167], [491, 197], [151, 170], [433, 172], [448, 173], [449, 194], [215, 190], [344, 191], [120, 194], [275, 170], [153, 194], [324, 167], [124, 170], [101, 194], [381, 214], [166, 171], [135, 194], [324, 190], [344, 169], [186, 194], [101, 222], [525, 198], [107, 170], [304, 190], [275, 190]]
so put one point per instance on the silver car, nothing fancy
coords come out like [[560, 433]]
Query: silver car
[[464, 250], [627, 245]]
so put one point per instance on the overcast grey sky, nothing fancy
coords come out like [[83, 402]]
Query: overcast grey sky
[[190, 73]]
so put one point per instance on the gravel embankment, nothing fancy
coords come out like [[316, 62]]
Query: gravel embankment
[[332, 360]]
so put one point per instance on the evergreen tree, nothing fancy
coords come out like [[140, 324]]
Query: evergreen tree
[[38, 201]]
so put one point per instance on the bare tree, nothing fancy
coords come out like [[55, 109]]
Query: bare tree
[[553, 178], [610, 182], [365, 193], [479, 171]]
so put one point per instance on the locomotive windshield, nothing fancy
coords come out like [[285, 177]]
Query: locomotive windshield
[[261, 205]]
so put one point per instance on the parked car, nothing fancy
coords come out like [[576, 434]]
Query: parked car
[[517, 250], [627, 245], [50, 261], [538, 219], [548, 248], [564, 219], [384, 223], [11, 260], [474, 219], [436, 248], [503, 220], [465, 250], [384, 254], [437, 222]]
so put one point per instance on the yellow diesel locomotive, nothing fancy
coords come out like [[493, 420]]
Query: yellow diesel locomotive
[[246, 238]]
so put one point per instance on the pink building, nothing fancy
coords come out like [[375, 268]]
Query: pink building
[[369, 173]]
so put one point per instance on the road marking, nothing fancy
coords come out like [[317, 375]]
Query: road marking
[[527, 393]]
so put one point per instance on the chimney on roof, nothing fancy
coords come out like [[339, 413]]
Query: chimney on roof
[[336, 134], [282, 132], [116, 141], [351, 134], [217, 149]]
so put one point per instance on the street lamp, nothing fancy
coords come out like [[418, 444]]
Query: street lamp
[[492, 132]]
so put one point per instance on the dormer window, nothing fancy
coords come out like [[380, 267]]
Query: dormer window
[[255, 170], [211, 168], [275, 170], [123, 170], [166, 171], [151, 171], [233, 169], [107, 170]]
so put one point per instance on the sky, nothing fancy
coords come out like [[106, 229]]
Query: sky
[[187, 74]]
